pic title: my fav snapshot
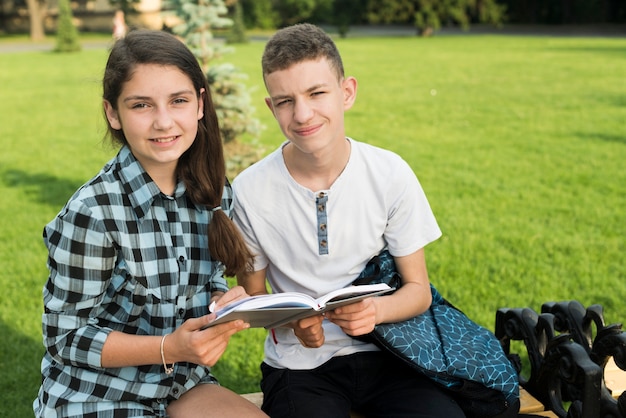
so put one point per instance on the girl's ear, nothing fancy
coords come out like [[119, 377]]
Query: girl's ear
[[201, 104], [112, 115], [349, 87]]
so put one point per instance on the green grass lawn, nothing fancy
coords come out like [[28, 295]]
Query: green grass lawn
[[519, 142]]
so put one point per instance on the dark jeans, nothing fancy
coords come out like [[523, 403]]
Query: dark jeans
[[372, 383]]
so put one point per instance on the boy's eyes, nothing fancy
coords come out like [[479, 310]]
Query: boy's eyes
[[282, 102]]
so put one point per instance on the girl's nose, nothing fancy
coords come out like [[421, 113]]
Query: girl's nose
[[162, 120]]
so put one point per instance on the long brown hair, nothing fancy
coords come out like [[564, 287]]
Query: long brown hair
[[201, 167]]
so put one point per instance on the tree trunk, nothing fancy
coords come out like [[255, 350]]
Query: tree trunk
[[36, 12]]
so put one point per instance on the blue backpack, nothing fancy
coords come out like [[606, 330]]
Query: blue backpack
[[445, 345]]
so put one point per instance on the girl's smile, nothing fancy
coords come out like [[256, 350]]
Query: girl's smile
[[158, 110]]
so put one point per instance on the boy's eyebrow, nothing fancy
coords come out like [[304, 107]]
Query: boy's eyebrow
[[309, 90]]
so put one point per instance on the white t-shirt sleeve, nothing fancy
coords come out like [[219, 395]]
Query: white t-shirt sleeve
[[240, 217], [411, 224]]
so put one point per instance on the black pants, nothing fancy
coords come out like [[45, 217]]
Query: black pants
[[372, 383]]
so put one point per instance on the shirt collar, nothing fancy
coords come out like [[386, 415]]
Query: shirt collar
[[139, 186]]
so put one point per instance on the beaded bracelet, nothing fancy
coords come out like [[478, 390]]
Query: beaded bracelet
[[168, 370]]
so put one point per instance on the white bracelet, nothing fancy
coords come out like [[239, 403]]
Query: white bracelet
[[168, 370]]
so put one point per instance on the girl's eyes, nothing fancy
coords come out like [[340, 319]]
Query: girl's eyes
[[144, 105]]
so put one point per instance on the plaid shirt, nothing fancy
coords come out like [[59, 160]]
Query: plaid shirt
[[124, 257]]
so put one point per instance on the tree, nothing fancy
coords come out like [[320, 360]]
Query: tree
[[198, 19], [36, 15], [391, 11], [259, 14], [237, 33], [126, 6], [429, 15], [293, 11], [67, 35], [344, 14], [432, 13]]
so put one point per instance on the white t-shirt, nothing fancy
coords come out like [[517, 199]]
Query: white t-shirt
[[376, 202]]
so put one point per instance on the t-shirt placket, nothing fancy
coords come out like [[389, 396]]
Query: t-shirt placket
[[321, 201]]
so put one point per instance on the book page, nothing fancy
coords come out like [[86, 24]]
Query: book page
[[277, 309], [338, 298], [348, 292], [274, 300]]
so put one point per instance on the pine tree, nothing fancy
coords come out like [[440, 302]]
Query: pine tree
[[237, 33], [67, 35], [198, 18]]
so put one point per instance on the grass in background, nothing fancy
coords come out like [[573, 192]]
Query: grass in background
[[519, 142]]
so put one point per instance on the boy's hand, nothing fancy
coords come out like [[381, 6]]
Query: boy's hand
[[355, 319], [309, 331]]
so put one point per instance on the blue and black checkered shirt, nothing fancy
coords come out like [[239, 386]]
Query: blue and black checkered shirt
[[122, 256]]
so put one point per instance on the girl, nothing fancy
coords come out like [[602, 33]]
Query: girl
[[138, 253]]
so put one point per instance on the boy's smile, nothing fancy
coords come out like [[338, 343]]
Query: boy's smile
[[308, 102]]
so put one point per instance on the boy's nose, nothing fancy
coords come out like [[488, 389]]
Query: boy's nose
[[302, 111]]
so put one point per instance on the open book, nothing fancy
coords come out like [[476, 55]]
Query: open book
[[274, 310]]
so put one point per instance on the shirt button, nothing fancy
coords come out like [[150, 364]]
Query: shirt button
[[181, 311], [175, 391], [181, 258]]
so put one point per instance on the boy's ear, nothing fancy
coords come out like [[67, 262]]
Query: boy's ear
[[349, 87], [269, 104], [112, 115]]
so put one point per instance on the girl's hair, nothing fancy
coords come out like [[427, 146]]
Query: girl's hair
[[297, 43], [201, 167]]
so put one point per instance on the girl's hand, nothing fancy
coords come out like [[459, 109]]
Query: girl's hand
[[221, 299], [190, 342], [200, 346]]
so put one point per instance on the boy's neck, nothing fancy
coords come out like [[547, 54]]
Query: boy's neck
[[317, 171]]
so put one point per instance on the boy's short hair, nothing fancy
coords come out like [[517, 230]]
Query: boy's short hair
[[297, 43]]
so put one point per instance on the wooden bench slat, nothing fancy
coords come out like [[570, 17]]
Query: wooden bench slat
[[614, 378], [545, 414], [256, 398], [529, 405]]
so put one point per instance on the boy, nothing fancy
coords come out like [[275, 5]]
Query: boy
[[314, 212]]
